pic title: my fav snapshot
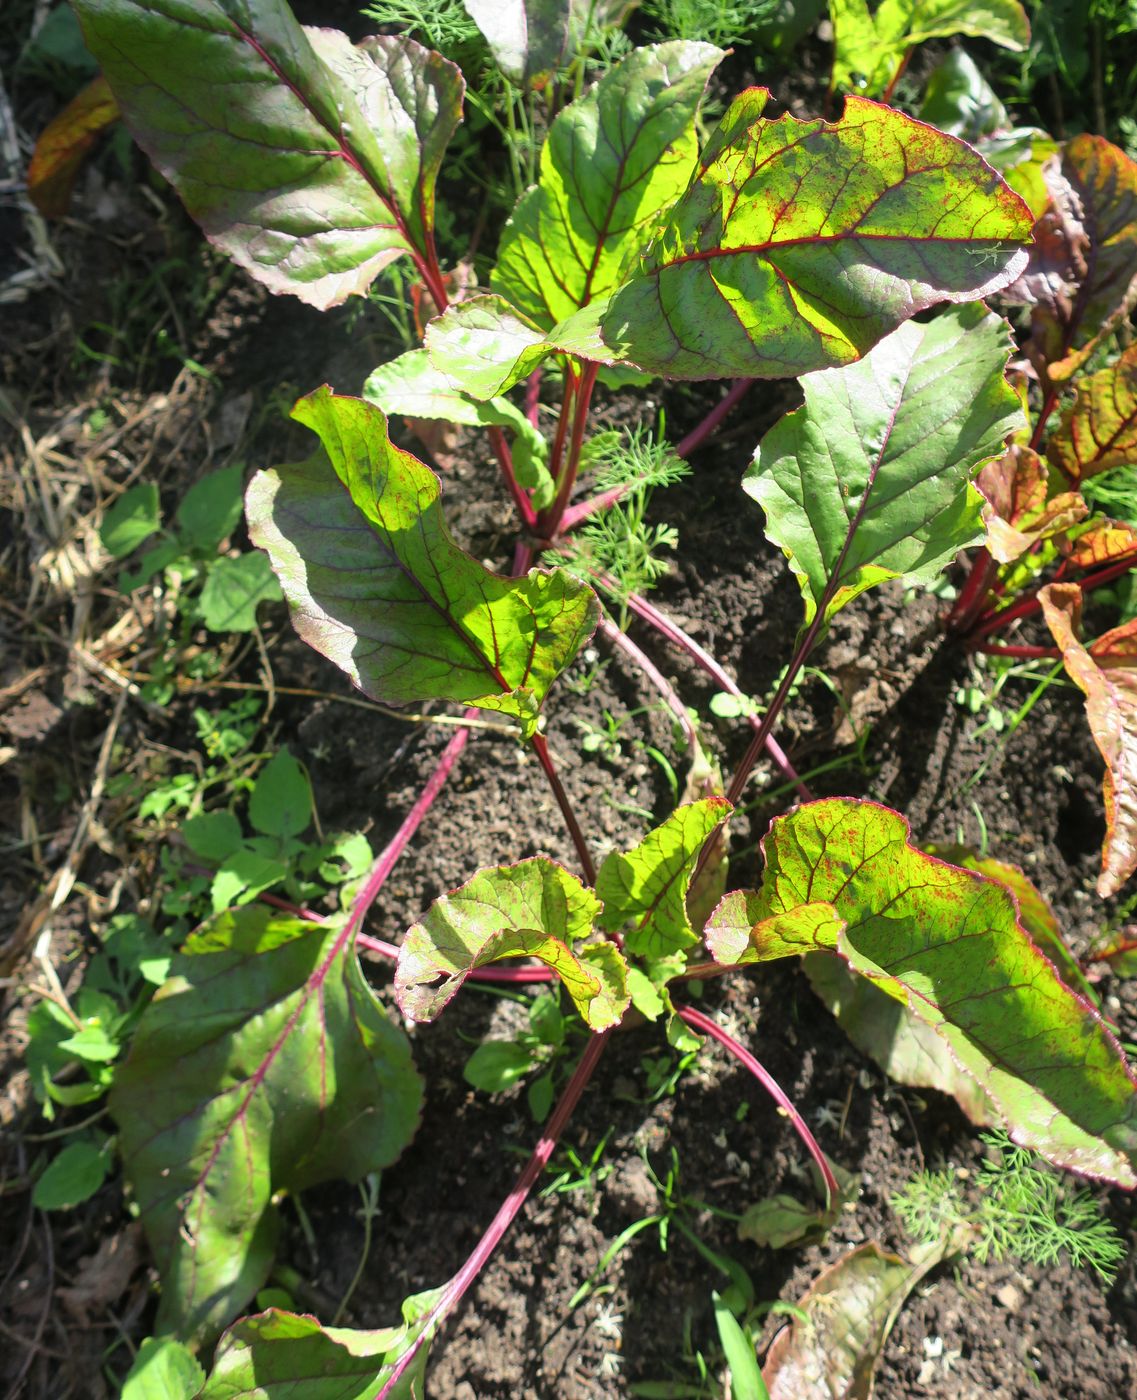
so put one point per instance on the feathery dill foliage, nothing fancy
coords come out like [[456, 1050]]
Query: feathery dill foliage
[[618, 541], [1025, 1211], [719, 22], [439, 24]]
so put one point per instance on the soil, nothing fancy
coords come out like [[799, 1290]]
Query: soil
[[76, 1286]]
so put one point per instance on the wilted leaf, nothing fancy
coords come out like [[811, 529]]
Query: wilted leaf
[[274, 1355], [648, 885], [946, 942], [783, 1220], [1016, 510], [63, 145], [1106, 672], [377, 585], [870, 479], [1082, 276], [329, 152], [798, 245], [851, 1308], [613, 161], [264, 1064], [870, 44], [534, 909], [1100, 429]]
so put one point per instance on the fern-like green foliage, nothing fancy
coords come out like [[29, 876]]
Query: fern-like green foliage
[[1024, 1211], [618, 542], [719, 22]]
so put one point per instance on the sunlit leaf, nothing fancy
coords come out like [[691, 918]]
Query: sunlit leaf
[[377, 585], [411, 385], [612, 162], [534, 909], [799, 244], [1019, 155], [946, 942], [1017, 510], [63, 145], [1102, 542], [329, 152], [275, 1355], [1100, 429], [959, 100], [1106, 672], [264, 1064], [870, 480], [850, 1308], [870, 44], [1081, 280], [647, 886], [163, 1369]]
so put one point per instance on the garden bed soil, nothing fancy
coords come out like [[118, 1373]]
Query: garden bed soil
[[77, 1286]]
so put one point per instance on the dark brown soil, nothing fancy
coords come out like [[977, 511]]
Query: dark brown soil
[[994, 1331]]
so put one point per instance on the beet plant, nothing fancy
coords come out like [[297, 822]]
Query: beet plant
[[775, 248]]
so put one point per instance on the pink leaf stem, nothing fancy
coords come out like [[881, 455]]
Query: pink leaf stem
[[699, 1022], [702, 658], [385, 861], [505, 460], [701, 431], [479, 974], [456, 1288], [541, 749], [622, 642]]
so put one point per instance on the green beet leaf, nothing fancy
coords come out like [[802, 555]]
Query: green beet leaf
[[647, 886], [329, 151], [534, 909], [870, 480], [377, 585], [870, 45], [278, 1355], [526, 37], [264, 1064], [799, 244], [613, 161], [411, 385], [947, 943]]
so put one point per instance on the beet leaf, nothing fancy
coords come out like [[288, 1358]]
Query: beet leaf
[[377, 585], [263, 1064]]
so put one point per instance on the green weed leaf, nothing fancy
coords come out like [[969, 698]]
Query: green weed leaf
[[234, 588], [265, 1356], [648, 885], [534, 909], [947, 943], [870, 480], [328, 175], [163, 1369], [281, 801], [377, 585], [134, 517], [264, 1064], [72, 1177], [211, 509], [613, 161], [799, 244]]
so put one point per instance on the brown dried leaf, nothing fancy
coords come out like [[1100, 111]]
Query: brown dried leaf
[[1082, 275], [1017, 514], [1107, 674], [852, 1306], [102, 1278], [64, 143]]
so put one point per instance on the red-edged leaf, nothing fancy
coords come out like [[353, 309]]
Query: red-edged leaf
[[799, 244], [1017, 513], [1082, 276], [310, 162], [1102, 542], [1100, 430], [64, 143], [1106, 672]]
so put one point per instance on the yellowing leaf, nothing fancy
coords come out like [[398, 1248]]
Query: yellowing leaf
[[64, 143], [1100, 429], [1016, 512]]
